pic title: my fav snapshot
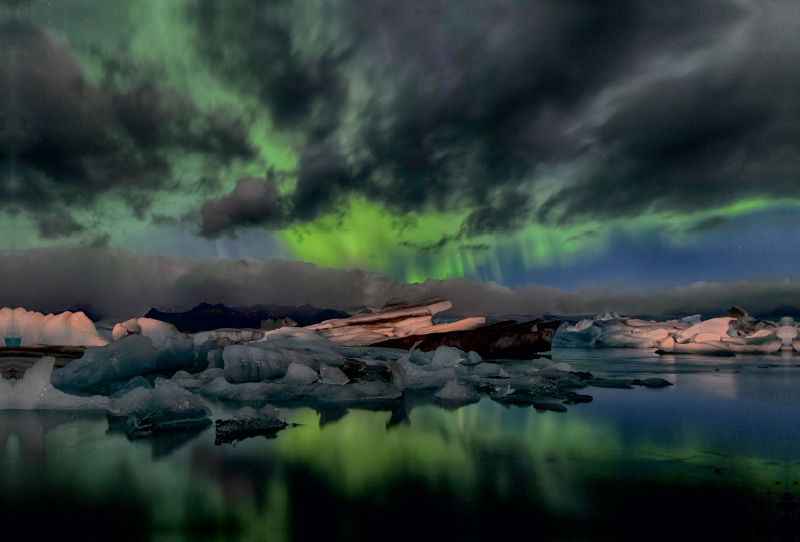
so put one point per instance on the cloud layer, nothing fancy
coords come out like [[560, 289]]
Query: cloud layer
[[64, 140], [517, 110], [121, 284]]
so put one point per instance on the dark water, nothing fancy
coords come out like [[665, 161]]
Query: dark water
[[716, 456]]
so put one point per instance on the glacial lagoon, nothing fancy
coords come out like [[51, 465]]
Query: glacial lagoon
[[716, 455]]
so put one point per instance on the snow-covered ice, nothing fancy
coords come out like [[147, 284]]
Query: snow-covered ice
[[34, 391], [67, 328]]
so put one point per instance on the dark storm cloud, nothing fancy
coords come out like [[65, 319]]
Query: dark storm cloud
[[120, 284], [252, 202], [64, 140], [458, 105], [57, 224]]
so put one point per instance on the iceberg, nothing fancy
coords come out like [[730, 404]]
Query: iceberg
[[165, 406], [613, 331], [245, 363], [397, 318], [332, 375], [233, 335], [34, 392], [304, 341], [131, 355], [299, 375], [65, 329]]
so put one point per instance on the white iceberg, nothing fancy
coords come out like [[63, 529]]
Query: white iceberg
[[34, 391], [67, 328]]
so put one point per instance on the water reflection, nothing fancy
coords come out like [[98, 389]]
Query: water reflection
[[720, 448]]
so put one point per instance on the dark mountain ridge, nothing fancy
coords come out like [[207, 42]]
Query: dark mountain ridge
[[207, 317]]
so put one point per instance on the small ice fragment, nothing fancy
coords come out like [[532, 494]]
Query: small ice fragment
[[133, 383], [215, 387], [447, 356], [453, 392], [166, 405], [332, 375], [209, 374], [561, 366], [299, 375]]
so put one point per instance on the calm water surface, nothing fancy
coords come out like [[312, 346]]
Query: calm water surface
[[715, 456]]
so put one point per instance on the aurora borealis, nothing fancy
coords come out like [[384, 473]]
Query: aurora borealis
[[613, 144]]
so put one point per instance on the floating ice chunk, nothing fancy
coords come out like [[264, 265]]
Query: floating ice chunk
[[34, 391], [298, 374], [66, 329], [292, 356], [474, 357], [483, 369], [209, 374], [561, 366], [245, 363], [447, 356], [453, 392], [186, 380], [705, 337], [162, 334], [166, 405], [127, 357], [301, 340], [398, 372], [332, 375], [133, 383], [787, 333], [720, 326], [427, 376], [234, 335], [712, 348], [215, 387]]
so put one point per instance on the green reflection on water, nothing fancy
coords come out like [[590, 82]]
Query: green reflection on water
[[246, 490]]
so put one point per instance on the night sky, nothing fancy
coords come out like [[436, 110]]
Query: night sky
[[635, 147]]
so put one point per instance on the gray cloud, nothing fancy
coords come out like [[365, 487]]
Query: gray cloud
[[57, 224], [119, 283], [459, 104], [252, 202], [65, 140]]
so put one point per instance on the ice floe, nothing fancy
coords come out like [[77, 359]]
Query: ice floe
[[165, 406], [34, 391], [66, 328]]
